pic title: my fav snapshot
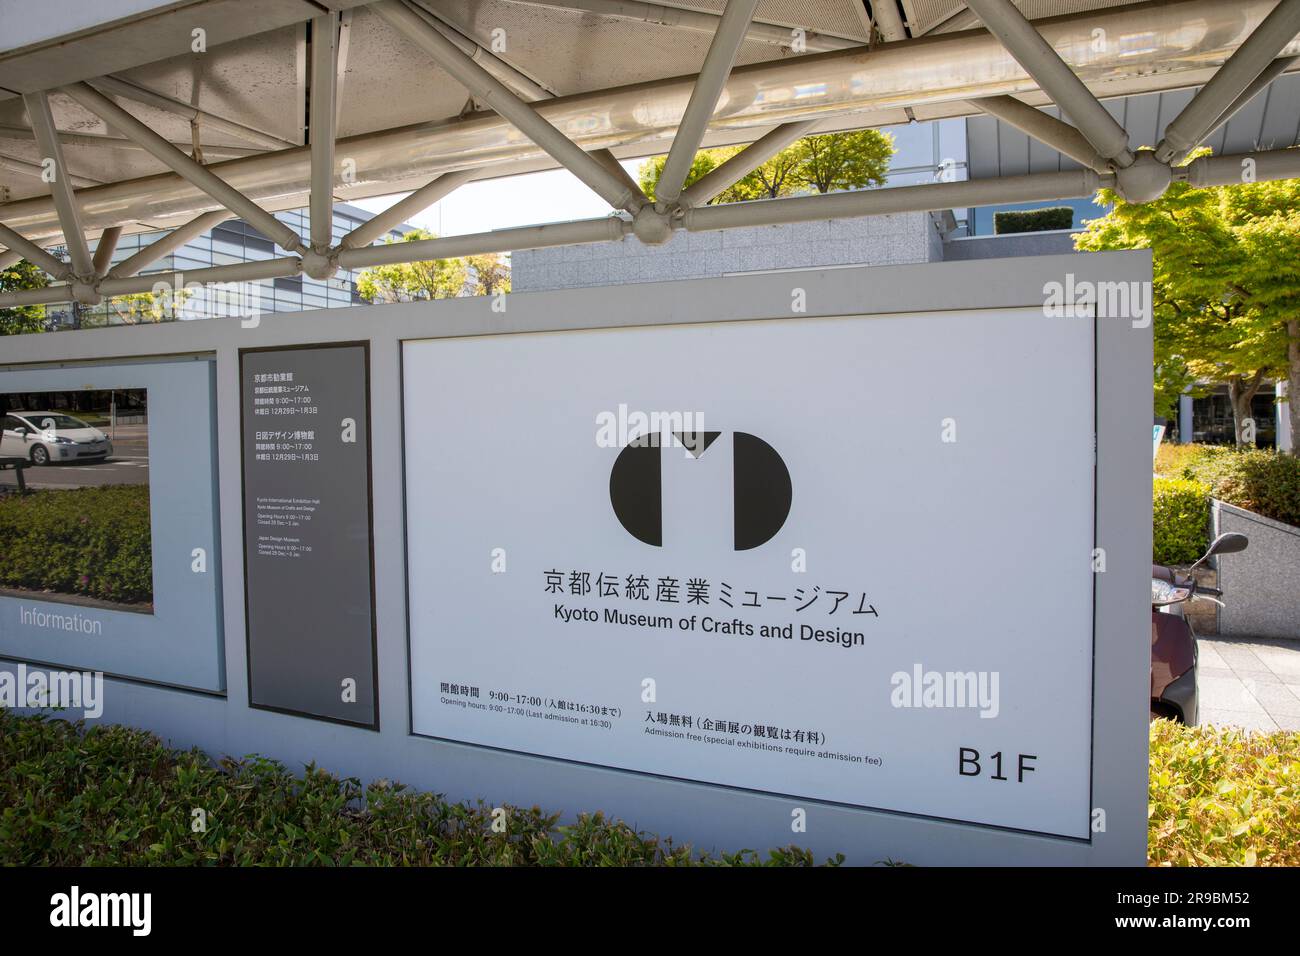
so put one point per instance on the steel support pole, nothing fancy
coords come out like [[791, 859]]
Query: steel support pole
[[1271, 73], [183, 166], [1231, 80], [65, 201], [704, 98], [499, 240], [324, 77], [131, 91], [1077, 184], [238, 272], [8, 257], [33, 253], [504, 101], [168, 243], [524, 85], [20, 134], [23, 168], [1048, 130], [1057, 79], [105, 249], [743, 163], [399, 212], [887, 20], [1265, 166]]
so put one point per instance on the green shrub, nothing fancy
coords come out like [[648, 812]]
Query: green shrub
[[91, 541], [116, 796], [1033, 220], [1265, 482], [1220, 797], [1180, 512]]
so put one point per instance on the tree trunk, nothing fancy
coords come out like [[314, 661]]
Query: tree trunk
[[1293, 382], [1241, 392]]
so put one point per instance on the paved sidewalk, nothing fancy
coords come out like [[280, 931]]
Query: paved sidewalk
[[1252, 683]]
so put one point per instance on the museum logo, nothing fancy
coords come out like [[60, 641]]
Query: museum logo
[[761, 488]]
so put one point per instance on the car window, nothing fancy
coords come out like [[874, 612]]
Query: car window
[[12, 423]]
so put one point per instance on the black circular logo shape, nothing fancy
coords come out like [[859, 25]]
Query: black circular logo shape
[[761, 488]]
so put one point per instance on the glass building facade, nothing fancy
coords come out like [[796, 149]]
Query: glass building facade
[[228, 243]]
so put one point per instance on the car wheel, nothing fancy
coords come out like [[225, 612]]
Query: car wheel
[[40, 455]]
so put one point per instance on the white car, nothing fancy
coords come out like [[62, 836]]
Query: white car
[[45, 437]]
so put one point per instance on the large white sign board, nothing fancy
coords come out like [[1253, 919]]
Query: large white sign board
[[917, 634]]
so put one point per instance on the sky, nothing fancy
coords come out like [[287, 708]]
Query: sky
[[552, 196]]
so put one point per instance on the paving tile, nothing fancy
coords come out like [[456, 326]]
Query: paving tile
[[1288, 723], [1227, 693], [1224, 670], [1277, 700], [1284, 663], [1209, 654], [1246, 720]]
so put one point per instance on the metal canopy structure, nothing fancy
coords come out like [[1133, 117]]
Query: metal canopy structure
[[178, 115]]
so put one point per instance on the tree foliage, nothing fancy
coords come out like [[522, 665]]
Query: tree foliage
[[1226, 289], [414, 281], [24, 318], [822, 164]]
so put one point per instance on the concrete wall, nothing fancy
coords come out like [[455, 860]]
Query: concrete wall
[[899, 239], [1261, 585], [1053, 243]]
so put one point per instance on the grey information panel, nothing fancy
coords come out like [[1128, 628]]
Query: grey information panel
[[308, 538]]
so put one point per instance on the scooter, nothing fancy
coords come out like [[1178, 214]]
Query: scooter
[[1173, 643]]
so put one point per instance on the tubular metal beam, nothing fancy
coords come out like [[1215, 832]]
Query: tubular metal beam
[[503, 100], [8, 257], [98, 140], [1048, 130], [743, 163], [522, 84], [1271, 73], [704, 98], [24, 168], [168, 243], [33, 253], [937, 72], [131, 91], [417, 202], [1054, 76], [183, 166], [239, 272], [499, 240], [1077, 184], [888, 22], [1268, 165], [1231, 80], [699, 21], [324, 76], [105, 249], [65, 201]]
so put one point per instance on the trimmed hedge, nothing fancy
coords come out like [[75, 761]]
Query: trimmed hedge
[[116, 796], [1220, 797], [91, 541], [1033, 220], [1265, 482], [1180, 512]]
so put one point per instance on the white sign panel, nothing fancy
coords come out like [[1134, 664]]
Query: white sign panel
[[857, 569]]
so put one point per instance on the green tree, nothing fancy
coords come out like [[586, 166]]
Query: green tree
[[835, 161], [825, 163], [1226, 286], [24, 318], [414, 281], [491, 273]]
